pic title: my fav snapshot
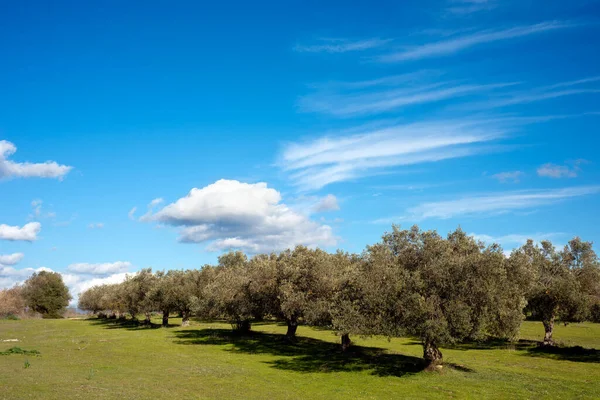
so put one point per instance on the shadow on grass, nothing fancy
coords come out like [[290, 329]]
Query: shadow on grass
[[307, 354], [129, 324], [534, 348], [572, 353]]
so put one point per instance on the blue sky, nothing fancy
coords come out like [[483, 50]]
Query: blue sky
[[158, 135]]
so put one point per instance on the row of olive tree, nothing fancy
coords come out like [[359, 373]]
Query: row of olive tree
[[441, 290]]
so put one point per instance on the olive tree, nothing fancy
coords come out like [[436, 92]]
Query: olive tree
[[135, 293], [341, 303], [177, 291], [45, 293], [440, 290], [300, 283], [553, 291], [226, 292], [91, 299]]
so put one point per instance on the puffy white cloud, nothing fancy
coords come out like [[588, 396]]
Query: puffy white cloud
[[550, 170], [80, 283], [10, 276], [233, 214], [11, 259], [99, 268], [26, 233], [78, 278], [9, 169], [327, 203]]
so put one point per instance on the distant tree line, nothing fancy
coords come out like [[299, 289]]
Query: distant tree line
[[413, 282]]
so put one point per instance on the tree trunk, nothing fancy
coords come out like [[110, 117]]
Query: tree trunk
[[292, 327], [147, 320], [346, 342], [165, 318], [431, 353], [185, 319], [243, 326], [548, 329]]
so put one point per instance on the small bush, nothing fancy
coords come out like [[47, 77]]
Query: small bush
[[18, 350]]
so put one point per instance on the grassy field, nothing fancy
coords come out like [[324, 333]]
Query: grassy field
[[104, 360]]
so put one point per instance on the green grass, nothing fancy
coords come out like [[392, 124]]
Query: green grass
[[96, 359]]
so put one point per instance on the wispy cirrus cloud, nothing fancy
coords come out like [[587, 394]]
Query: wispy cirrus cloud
[[465, 7], [338, 45], [454, 45], [131, 213], [495, 203], [375, 149], [531, 95], [359, 102]]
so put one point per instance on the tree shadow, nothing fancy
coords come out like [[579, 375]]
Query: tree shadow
[[533, 348], [129, 324], [494, 344], [307, 354], [568, 353]]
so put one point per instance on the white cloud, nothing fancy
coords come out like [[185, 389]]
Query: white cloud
[[370, 151], [11, 259], [341, 45], [10, 276], [76, 282], [327, 203], [26, 233], [156, 202], [231, 214], [454, 45], [512, 176], [359, 102], [550, 170], [535, 94], [80, 283], [512, 241], [131, 213], [150, 207], [99, 268], [37, 212], [9, 169], [515, 239], [496, 203], [98, 225], [465, 7]]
